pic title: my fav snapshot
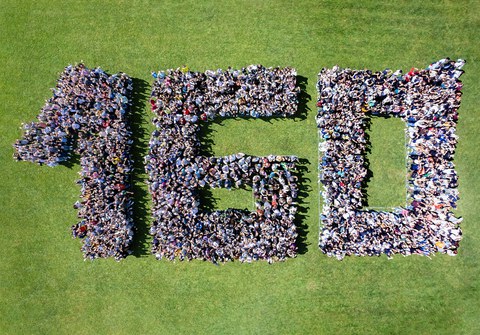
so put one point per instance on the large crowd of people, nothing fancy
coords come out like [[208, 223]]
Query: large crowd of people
[[428, 101], [181, 100], [89, 106]]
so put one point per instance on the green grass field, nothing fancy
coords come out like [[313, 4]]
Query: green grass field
[[47, 288]]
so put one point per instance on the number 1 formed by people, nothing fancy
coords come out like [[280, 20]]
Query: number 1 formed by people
[[89, 106]]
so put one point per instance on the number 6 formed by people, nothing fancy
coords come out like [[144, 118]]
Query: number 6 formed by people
[[181, 100], [427, 100], [89, 106]]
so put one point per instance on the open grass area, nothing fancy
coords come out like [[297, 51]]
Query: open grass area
[[47, 288], [386, 186]]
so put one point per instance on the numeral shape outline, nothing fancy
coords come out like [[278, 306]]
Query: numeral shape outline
[[89, 107], [182, 100], [427, 100]]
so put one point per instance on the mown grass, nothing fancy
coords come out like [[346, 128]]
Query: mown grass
[[386, 184], [46, 287]]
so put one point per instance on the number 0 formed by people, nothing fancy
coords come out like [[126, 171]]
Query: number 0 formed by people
[[427, 100], [88, 114]]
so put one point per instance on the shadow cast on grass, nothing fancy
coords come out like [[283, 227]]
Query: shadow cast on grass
[[74, 159], [304, 187], [304, 190], [303, 99], [139, 97], [368, 150]]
